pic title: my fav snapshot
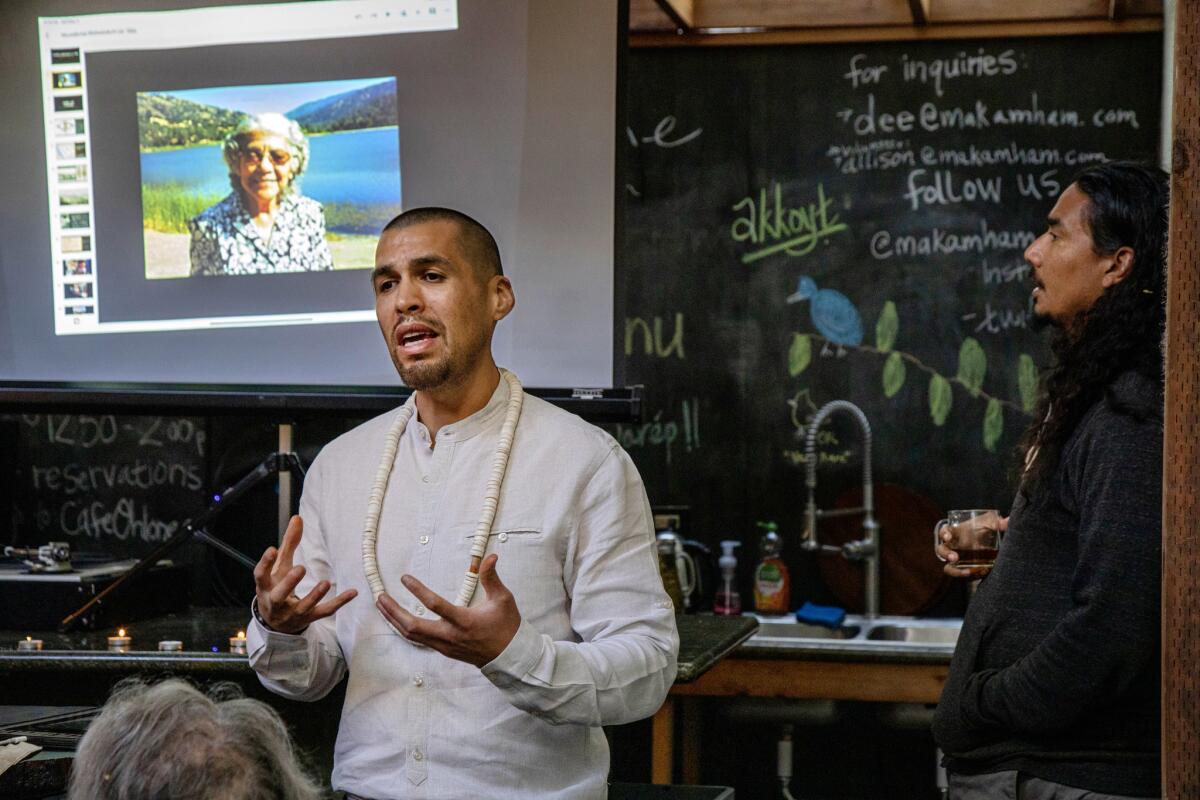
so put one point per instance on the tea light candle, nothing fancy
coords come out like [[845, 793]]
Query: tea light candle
[[29, 645], [170, 645], [237, 644], [118, 643]]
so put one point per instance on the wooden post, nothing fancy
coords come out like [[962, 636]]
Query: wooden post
[[662, 743], [1181, 454]]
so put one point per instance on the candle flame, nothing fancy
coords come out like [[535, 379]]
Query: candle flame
[[241, 634], [29, 638], [120, 632]]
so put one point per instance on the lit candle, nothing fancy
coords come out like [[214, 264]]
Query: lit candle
[[118, 643], [29, 645], [170, 645], [237, 644]]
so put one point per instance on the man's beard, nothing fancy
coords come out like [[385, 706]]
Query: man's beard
[[427, 375], [448, 371]]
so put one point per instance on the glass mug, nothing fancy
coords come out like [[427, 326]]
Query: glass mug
[[974, 535]]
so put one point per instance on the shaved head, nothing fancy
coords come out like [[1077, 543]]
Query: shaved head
[[476, 242]]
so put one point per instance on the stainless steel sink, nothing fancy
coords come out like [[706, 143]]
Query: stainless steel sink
[[918, 631], [859, 634]]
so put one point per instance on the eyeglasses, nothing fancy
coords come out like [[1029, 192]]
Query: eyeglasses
[[256, 155]]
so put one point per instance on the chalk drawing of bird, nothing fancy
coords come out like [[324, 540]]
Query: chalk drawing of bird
[[833, 315]]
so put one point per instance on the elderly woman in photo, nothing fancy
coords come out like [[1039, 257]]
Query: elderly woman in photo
[[264, 225]]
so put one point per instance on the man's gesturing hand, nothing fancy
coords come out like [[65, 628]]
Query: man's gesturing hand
[[275, 582], [475, 634]]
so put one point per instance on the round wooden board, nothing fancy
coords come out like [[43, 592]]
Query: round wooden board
[[911, 576]]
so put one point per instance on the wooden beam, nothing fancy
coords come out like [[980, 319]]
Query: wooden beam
[[741, 14], [827, 680], [646, 15], [681, 12], [894, 33], [1181, 443], [920, 11], [662, 743], [1013, 10]]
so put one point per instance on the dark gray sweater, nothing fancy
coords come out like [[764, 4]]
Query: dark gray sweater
[[1056, 672]]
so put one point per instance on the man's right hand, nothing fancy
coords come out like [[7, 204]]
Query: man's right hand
[[275, 581], [951, 557]]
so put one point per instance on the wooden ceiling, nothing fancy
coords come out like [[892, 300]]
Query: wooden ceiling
[[699, 22]]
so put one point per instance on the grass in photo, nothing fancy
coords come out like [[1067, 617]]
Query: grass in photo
[[76, 220], [73, 198], [304, 157]]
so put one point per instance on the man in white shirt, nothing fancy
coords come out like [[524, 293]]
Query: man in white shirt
[[502, 698]]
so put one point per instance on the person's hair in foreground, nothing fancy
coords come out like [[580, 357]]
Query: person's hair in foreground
[[169, 740], [1124, 328]]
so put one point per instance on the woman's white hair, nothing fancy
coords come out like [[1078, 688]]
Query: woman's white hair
[[170, 740], [274, 125]]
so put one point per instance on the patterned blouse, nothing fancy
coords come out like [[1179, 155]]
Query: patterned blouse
[[225, 240]]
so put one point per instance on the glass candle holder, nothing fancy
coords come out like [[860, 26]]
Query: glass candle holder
[[237, 644], [119, 643], [170, 646], [29, 645]]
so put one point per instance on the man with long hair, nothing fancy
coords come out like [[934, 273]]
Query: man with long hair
[[1053, 691]]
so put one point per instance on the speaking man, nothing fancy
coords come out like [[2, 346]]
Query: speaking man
[[456, 691]]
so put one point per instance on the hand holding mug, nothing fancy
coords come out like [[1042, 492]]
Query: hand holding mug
[[968, 541]]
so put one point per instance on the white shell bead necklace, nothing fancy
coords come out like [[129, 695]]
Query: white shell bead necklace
[[491, 497]]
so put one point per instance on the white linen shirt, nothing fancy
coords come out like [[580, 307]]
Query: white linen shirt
[[597, 643]]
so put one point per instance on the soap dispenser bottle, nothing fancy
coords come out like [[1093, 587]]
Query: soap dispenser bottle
[[728, 602], [772, 589]]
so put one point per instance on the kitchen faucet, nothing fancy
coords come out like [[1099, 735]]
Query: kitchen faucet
[[867, 548]]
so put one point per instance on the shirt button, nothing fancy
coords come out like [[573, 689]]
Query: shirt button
[[503, 537], [418, 680], [424, 540], [425, 479], [420, 610], [418, 755]]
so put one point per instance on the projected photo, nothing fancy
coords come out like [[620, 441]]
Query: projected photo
[[267, 179]]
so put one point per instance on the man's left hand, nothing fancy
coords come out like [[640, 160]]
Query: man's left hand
[[475, 634]]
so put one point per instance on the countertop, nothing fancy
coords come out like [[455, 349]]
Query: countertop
[[704, 640]]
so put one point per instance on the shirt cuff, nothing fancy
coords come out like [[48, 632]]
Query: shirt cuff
[[518, 659], [268, 635]]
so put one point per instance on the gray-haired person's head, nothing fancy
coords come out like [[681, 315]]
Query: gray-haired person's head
[[169, 740], [260, 125]]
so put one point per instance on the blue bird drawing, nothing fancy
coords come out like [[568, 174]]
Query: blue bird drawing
[[833, 315]]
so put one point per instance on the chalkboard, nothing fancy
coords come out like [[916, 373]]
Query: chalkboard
[[898, 181], [110, 485]]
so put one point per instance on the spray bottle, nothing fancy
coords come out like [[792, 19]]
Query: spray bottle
[[728, 601]]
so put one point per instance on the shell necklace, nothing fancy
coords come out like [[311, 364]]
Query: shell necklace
[[491, 496]]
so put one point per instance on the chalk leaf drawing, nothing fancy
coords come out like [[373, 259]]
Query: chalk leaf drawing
[[799, 354], [886, 328], [894, 373]]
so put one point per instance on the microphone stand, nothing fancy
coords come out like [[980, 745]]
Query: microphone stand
[[194, 529]]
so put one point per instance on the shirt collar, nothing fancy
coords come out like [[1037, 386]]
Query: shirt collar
[[487, 417]]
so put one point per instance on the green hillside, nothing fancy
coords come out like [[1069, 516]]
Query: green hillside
[[166, 121]]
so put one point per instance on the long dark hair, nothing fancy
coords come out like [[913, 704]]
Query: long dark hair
[[1123, 330]]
